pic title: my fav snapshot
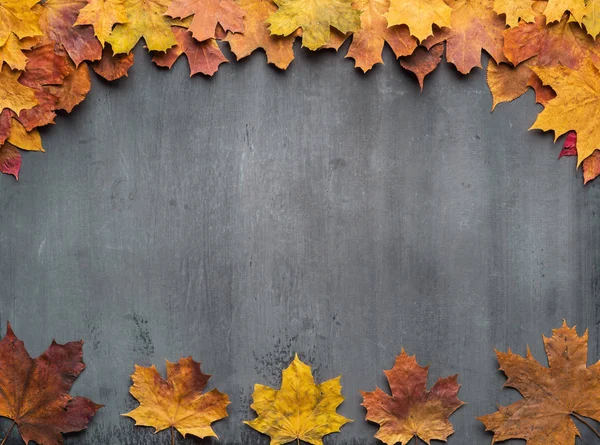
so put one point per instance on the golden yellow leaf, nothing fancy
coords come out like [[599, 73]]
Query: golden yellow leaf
[[23, 139], [576, 104], [315, 17], [102, 15], [300, 410], [17, 17], [556, 8], [591, 17], [177, 402], [11, 52], [515, 10], [419, 15], [13, 95], [145, 18]]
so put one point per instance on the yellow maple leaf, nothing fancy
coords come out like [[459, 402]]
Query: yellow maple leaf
[[575, 107], [23, 139], [11, 52], [300, 410], [13, 95], [102, 15], [17, 17], [591, 17], [145, 18], [314, 17], [177, 402], [419, 15], [556, 8], [515, 10]]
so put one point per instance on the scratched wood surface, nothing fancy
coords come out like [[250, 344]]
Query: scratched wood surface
[[243, 218]]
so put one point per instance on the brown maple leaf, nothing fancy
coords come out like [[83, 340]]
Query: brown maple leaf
[[34, 393], [207, 15], [551, 395], [423, 61], [112, 66], [203, 57], [57, 19], [412, 410]]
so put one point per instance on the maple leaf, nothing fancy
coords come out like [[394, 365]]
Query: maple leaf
[[279, 50], [34, 393], [102, 15], [73, 89], [203, 57], [555, 9], [145, 18], [17, 17], [591, 164], [112, 67], [423, 61], [507, 82], [10, 160], [314, 17], [13, 95], [12, 54], [5, 124], [562, 42], [23, 139], [577, 98], [419, 15], [300, 409], [412, 410], [207, 15], [475, 26], [515, 10], [57, 18], [368, 41], [551, 395], [591, 17], [178, 402]]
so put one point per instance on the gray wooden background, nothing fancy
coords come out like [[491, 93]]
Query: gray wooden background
[[246, 217]]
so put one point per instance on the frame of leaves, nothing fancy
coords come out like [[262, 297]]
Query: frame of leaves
[[48, 46]]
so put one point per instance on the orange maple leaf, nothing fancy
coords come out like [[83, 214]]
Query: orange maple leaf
[[551, 395], [203, 57], [207, 15], [412, 410], [34, 393]]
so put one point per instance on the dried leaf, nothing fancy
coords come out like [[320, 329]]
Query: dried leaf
[[145, 19], [591, 164], [10, 160], [13, 95], [35, 392], [300, 409], [412, 410], [423, 61], [314, 17], [367, 43], [577, 98], [208, 14], [73, 90], [12, 54], [23, 139], [17, 17], [203, 57], [551, 395], [515, 10], [57, 18], [555, 9], [177, 402], [591, 17], [279, 50], [112, 67], [419, 16], [102, 15]]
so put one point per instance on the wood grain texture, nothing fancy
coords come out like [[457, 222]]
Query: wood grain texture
[[343, 216]]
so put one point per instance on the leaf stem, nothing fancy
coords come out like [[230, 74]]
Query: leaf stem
[[8, 433], [172, 436], [577, 416]]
